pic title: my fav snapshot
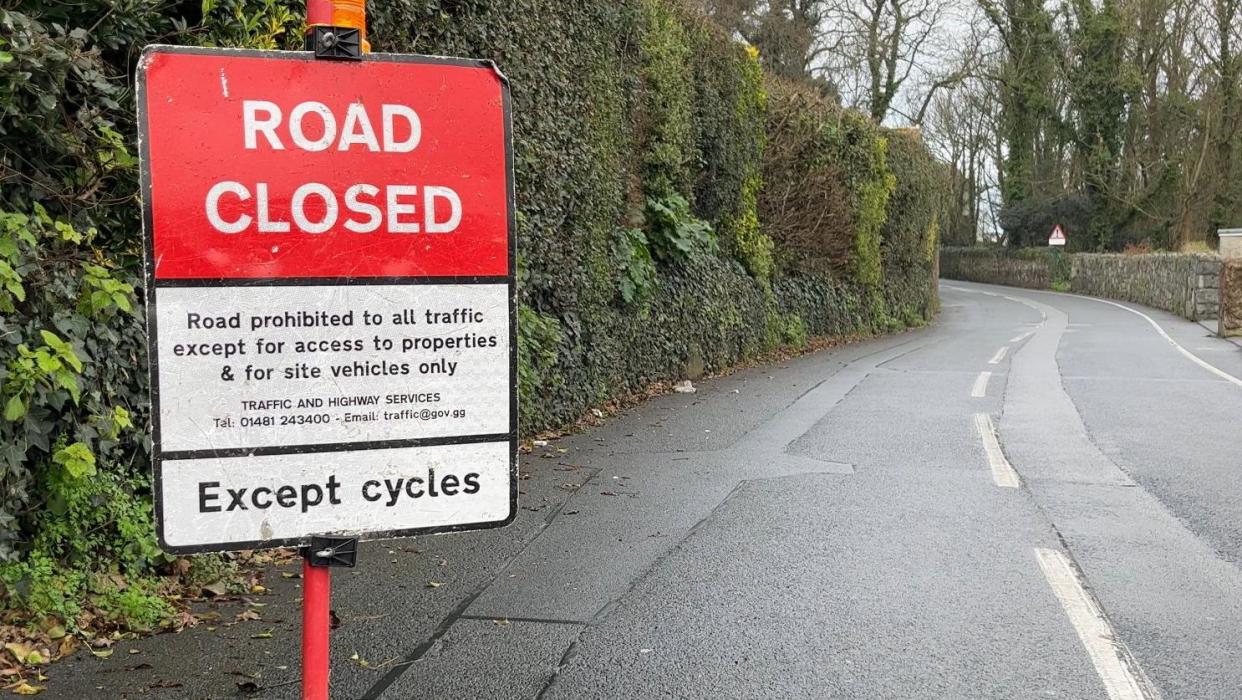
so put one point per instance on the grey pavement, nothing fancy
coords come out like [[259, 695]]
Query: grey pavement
[[833, 526]]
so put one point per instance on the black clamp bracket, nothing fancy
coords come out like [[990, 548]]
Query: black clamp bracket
[[328, 550], [337, 43]]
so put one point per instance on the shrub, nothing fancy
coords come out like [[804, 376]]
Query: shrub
[[635, 264], [828, 185], [676, 235]]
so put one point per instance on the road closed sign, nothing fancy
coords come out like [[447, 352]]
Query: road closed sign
[[330, 288]]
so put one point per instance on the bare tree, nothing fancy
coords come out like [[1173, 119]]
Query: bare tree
[[892, 57], [788, 33]]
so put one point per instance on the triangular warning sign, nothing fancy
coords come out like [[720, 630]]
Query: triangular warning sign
[[1058, 236]]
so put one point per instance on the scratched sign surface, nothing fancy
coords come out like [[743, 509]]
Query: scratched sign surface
[[330, 287]]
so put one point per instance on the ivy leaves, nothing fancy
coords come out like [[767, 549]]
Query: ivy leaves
[[637, 269], [77, 460], [676, 235], [52, 366], [63, 303]]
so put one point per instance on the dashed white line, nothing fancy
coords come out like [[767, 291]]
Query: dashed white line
[[1000, 355], [980, 389], [1020, 338], [1117, 669], [1002, 472]]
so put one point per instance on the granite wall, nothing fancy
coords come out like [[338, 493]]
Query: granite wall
[[1187, 284], [1231, 298]]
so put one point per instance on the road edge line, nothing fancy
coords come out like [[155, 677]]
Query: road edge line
[[1154, 324], [1164, 334]]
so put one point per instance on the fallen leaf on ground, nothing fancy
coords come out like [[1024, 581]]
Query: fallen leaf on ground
[[434, 584], [25, 688], [265, 634], [181, 620], [248, 615], [20, 651]]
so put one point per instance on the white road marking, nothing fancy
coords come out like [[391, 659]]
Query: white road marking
[[1020, 338], [1120, 673], [1189, 355], [1002, 472], [1000, 355], [980, 389]]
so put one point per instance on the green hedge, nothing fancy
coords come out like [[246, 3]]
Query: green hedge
[[1033, 268], [910, 237], [828, 185], [649, 151]]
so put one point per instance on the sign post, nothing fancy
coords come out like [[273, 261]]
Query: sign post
[[330, 302]]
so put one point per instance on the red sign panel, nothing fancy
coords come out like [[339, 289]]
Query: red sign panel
[[302, 168]]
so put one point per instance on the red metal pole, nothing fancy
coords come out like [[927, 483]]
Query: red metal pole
[[319, 12], [316, 605]]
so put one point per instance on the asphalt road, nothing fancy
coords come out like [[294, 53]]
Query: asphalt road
[[882, 520]]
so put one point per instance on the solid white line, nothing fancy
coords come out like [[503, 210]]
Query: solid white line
[[1116, 667], [1189, 355], [1020, 338], [1000, 355], [980, 389], [1002, 472]]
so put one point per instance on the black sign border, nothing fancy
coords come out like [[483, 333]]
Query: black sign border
[[158, 456]]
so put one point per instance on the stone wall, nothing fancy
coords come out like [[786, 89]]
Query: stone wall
[[994, 267], [1231, 298], [1187, 284]]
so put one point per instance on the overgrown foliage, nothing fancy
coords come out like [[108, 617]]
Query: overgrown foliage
[[910, 237], [1133, 108], [828, 184], [651, 228]]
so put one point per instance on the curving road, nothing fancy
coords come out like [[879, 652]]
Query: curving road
[[1039, 496]]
